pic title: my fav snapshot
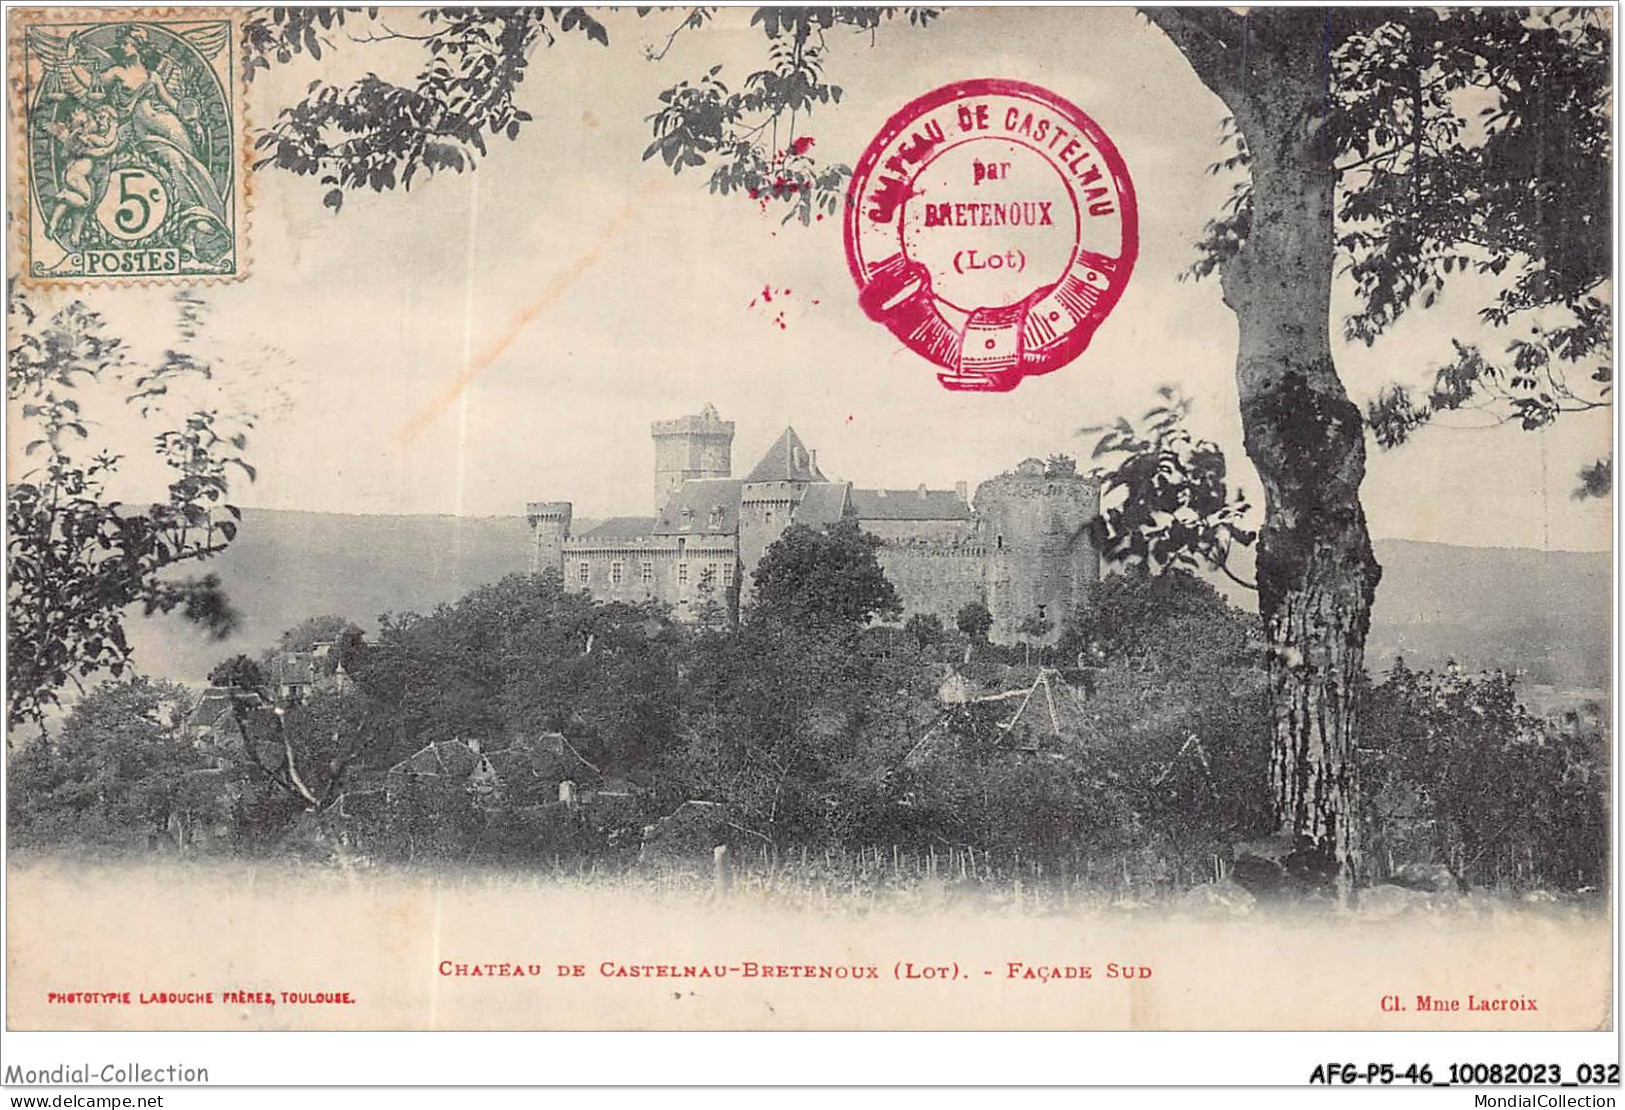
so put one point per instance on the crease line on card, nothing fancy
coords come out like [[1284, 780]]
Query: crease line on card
[[556, 288], [467, 360], [434, 978]]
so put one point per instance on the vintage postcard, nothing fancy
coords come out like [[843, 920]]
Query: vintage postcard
[[812, 519]]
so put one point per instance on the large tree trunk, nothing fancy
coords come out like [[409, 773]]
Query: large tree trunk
[[1316, 570]]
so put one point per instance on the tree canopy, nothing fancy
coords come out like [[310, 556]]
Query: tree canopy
[[823, 578], [1471, 146], [974, 620], [116, 772], [238, 673]]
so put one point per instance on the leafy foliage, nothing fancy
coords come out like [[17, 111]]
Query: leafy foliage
[[1172, 622], [1462, 774], [823, 579], [115, 774], [78, 559], [974, 620], [754, 137], [305, 751], [1596, 480], [787, 723], [1161, 764], [374, 134], [280, 33], [1468, 141], [1035, 626], [795, 735], [926, 628], [238, 673], [349, 646], [1167, 503], [311, 631], [1520, 186], [520, 657]]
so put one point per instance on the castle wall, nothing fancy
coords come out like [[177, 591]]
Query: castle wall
[[935, 578], [674, 570], [930, 531], [765, 513]]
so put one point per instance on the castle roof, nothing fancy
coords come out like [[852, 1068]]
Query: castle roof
[[788, 460], [702, 506], [621, 528], [909, 504], [823, 504]]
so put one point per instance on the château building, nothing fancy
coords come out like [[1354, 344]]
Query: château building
[[1024, 546]]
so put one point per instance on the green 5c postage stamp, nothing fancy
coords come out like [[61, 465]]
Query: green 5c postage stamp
[[132, 135]]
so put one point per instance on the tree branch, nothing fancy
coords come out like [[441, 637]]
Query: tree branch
[[1213, 41], [694, 18], [293, 771]]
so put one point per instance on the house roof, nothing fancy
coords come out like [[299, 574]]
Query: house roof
[[210, 704], [788, 460], [692, 508], [621, 528], [823, 504], [545, 758], [526, 765], [216, 709], [291, 668], [909, 504]]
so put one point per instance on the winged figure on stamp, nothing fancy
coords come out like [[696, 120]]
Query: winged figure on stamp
[[113, 100]]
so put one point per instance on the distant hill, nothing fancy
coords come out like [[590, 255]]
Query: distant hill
[[1542, 613], [286, 566], [1546, 613]]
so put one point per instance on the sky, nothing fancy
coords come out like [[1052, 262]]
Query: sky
[[508, 335]]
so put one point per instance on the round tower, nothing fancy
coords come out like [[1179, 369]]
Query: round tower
[[690, 447], [549, 528], [1037, 525]]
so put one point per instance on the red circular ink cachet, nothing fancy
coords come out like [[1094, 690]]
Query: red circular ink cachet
[[991, 226]]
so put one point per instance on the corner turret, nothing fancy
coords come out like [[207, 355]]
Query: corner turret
[[549, 528]]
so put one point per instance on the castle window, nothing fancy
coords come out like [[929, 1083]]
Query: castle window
[[688, 516], [716, 517], [682, 574], [646, 572], [1000, 543], [767, 517], [617, 571], [727, 574], [584, 573]]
